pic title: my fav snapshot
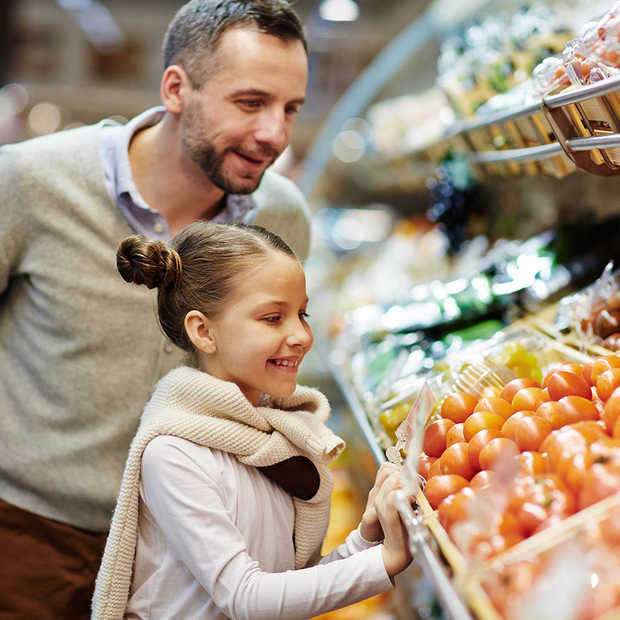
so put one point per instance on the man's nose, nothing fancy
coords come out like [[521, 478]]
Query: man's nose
[[273, 130]]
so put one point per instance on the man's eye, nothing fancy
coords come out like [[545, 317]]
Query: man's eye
[[292, 110], [272, 319], [304, 315], [250, 103]]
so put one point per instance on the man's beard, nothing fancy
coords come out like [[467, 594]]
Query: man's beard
[[212, 164]]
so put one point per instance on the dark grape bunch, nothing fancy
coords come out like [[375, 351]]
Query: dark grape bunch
[[451, 198]]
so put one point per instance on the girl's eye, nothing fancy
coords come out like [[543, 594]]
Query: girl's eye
[[304, 315], [272, 319]]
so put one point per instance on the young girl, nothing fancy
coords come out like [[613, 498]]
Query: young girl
[[226, 488]]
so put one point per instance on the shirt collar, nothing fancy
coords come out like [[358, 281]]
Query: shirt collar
[[237, 207]]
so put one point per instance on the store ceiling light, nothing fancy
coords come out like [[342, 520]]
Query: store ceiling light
[[339, 10]]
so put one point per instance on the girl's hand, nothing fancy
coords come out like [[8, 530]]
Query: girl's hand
[[396, 552], [370, 528]]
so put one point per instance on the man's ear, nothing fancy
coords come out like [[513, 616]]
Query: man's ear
[[174, 83], [200, 332]]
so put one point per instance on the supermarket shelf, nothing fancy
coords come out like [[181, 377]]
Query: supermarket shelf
[[606, 87], [538, 153], [562, 125], [595, 142], [600, 89], [460, 127], [532, 153], [451, 604]]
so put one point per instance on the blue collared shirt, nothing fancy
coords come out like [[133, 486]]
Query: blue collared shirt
[[142, 218]]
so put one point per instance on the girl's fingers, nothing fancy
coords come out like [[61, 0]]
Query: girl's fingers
[[386, 470], [385, 498]]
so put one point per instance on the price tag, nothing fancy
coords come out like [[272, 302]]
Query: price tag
[[410, 435]]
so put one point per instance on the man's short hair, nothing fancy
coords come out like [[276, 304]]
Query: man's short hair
[[195, 30]]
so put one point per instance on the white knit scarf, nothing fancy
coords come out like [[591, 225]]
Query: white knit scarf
[[191, 404]]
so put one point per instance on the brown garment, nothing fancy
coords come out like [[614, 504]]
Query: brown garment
[[47, 568]]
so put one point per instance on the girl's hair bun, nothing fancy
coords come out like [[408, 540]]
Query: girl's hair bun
[[152, 263]]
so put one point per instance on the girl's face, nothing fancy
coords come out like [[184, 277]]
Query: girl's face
[[260, 333]]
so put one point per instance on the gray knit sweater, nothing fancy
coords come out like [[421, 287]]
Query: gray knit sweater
[[80, 350]]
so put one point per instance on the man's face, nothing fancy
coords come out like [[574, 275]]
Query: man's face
[[239, 121]]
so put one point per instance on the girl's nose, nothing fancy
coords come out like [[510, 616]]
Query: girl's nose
[[301, 336]]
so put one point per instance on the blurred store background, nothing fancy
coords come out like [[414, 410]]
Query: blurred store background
[[447, 202], [87, 59]]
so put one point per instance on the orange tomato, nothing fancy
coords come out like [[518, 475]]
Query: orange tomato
[[531, 463], [512, 387], [606, 450], [508, 524], [498, 451], [478, 441], [599, 482], [494, 405], [610, 528], [587, 372], [576, 409], [576, 369], [425, 463], [529, 399], [520, 492], [455, 460], [611, 411], [531, 431], [458, 406], [591, 430], [555, 495], [563, 383], [485, 546], [435, 436], [510, 584], [573, 469], [481, 420], [434, 470], [455, 434], [603, 363], [509, 427], [607, 382], [483, 478], [553, 413], [530, 516], [440, 487], [561, 443], [455, 507]]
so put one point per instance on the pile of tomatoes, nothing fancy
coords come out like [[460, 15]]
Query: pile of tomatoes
[[536, 453], [590, 568]]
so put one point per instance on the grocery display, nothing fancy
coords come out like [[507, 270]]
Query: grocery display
[[532, 91], [482, 363], [530, 457]]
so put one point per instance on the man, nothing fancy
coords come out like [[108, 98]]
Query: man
[[74, 372]]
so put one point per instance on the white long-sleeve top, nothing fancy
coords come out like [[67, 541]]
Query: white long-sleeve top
[[215, 540]]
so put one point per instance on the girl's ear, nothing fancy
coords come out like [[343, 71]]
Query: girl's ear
[[200, 331]]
